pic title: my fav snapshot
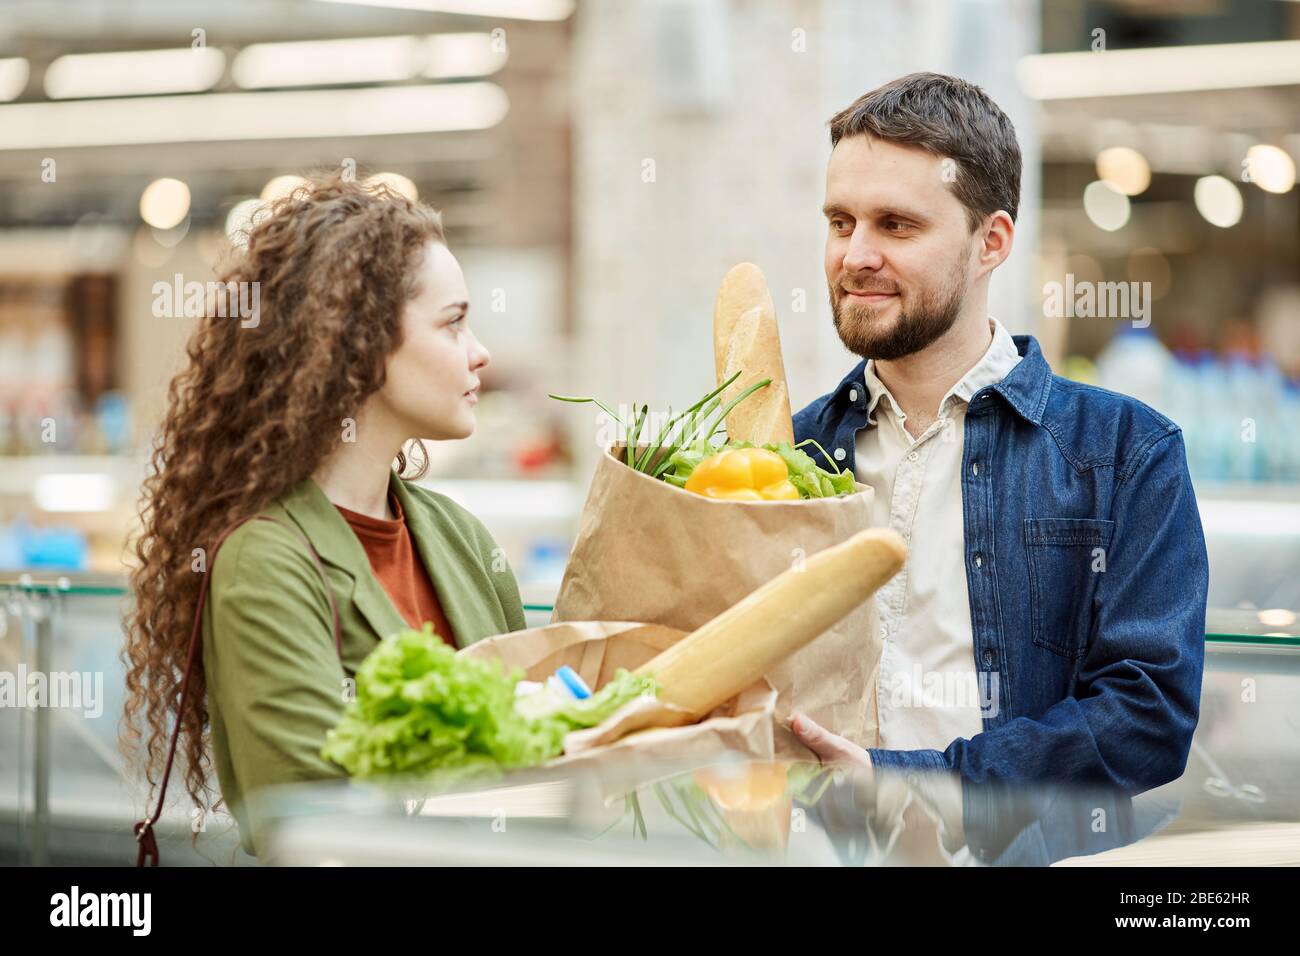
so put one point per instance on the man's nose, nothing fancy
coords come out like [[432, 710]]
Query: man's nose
[[863, 253]]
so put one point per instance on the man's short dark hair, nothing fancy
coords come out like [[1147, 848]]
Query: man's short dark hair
[[953, 119]]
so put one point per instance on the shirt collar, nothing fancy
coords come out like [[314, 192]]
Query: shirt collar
[[1025, 388], [999, 358]]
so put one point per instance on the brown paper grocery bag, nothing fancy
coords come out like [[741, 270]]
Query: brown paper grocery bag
[[648, 551], [644, 732]]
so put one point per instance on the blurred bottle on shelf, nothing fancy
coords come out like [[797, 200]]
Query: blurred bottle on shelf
[[59, 423], [544, 565], [113, 419], [1239, 414], [1134, 362], [1212, 416], [24, 547]]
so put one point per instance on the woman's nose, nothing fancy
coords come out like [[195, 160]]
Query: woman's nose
[[478, 355]]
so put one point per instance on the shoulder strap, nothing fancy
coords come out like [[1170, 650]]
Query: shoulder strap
[[144, 834]]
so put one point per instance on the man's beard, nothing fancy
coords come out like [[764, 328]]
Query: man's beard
[[918, 325]]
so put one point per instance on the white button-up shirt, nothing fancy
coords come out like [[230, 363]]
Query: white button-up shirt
[[927, 689]]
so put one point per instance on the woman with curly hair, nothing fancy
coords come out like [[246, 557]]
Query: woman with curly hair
[[361, 344]]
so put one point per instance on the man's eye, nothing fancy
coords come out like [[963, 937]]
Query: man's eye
[[838, 225], [893, 225]]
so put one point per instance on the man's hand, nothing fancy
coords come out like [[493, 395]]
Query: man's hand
[[830, 748], [853, 773]]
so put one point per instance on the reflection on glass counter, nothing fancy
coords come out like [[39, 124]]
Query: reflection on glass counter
[[733, 810], [64, 795]]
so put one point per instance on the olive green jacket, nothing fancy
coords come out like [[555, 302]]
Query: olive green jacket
[[275, 683]]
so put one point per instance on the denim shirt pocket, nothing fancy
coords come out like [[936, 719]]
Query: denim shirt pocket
[[1065, 557]]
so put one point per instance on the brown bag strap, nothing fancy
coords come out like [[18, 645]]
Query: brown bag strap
[[144, 834]]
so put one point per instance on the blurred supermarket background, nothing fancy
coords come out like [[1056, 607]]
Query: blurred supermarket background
[[600, 164]]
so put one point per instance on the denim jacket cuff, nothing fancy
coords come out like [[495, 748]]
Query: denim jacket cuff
[[907, 760]]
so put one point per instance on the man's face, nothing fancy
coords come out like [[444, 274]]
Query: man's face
[[899, 251]]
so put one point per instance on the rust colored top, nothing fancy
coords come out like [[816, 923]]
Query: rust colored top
[[393, 559]]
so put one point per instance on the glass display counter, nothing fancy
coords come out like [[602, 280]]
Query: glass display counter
[[64, 796]]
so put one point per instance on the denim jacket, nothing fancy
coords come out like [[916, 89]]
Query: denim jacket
[[1087, 573]]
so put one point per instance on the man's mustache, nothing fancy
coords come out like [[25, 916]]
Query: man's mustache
[[873, 288]]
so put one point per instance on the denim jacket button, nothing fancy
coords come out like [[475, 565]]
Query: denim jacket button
[[979, 560], [839, 454], [853, 395]]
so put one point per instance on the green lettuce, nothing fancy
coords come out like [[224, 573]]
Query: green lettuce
[[810, 480], [421, 708]]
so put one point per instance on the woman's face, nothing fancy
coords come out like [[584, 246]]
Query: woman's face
[[432, 378]]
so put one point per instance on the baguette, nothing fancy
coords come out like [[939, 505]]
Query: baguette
[[729, 653], [746, 339]]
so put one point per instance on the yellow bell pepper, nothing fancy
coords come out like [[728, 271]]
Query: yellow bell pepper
[[743, 474]]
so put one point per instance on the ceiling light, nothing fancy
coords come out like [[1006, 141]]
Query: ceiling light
[[14, 73], [281, 186], [232, 117], [396, 182], [142, 72], [1170, 69], [1271, 169], [504, 9], [328, 62], [1106, 206], [450, 55], [241, 219], [165, 203], [1124, 168], [1218, 200]]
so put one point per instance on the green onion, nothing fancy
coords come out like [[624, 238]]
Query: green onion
[[813, 442], [697, 420]]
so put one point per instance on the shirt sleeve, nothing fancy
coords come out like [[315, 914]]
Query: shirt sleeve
[[1130, 722]]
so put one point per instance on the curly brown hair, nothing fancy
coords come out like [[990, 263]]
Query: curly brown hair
[[249, 417]]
